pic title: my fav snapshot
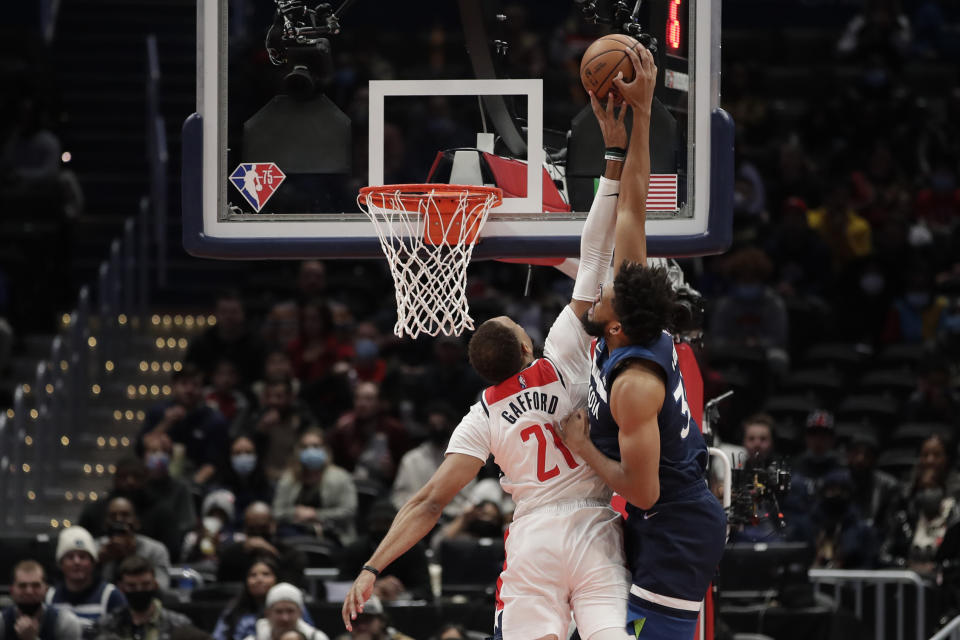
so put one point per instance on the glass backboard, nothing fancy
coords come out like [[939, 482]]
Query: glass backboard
[[299, 105]]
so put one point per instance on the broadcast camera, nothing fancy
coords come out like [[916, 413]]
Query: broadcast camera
[[300, 38], [301, 129], [756, 494], [618, 13]]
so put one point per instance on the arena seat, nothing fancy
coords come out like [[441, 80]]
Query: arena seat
[[847, 358], [216, 592], [470, 566], [846, 431], [901, 355], [877, 409], [737, 364], [790, 407], [912, 434], [897, 462], [825, 382], [898, 383]]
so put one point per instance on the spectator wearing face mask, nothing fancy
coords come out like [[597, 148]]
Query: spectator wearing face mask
[[819, 457], [166, 492], [244, 477], [28, 618], [418, 464], [875, 492], [123, 541], [752, 315], [368, 366], [842, 539], [144, 617], [316, 496], [920, 526], [215, 529]]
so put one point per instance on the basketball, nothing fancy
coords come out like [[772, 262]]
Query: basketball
[[603, 60]]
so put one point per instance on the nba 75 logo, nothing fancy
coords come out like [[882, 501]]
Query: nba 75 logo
[[257, 181]]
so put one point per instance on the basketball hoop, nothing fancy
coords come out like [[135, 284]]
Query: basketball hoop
[[427, 233]]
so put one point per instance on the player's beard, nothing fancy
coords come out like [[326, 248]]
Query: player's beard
[[592, 328]]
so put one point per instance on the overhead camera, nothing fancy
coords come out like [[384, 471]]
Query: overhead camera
[[300, 38], [618, 13], [301, 129]]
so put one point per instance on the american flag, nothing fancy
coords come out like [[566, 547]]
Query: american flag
[[662, 195]]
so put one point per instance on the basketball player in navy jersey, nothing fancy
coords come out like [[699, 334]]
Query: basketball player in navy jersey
[[637, 432]]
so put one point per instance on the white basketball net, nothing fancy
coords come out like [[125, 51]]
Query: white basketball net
[[430, 278]]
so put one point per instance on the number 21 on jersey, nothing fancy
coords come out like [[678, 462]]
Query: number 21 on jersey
[[537, 432]]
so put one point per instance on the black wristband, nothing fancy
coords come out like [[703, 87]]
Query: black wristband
[[367, 567], [619, 150]]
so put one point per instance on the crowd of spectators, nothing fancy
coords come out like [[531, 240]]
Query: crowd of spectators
[[236, 476]]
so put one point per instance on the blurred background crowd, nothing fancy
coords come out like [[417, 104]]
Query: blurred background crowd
[[298, 424]]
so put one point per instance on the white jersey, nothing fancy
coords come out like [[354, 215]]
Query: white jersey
[[515, 420]]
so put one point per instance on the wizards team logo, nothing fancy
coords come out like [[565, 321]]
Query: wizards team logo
[[257, 181]]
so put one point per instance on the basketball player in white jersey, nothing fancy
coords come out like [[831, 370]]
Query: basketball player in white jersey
[[564, 549]]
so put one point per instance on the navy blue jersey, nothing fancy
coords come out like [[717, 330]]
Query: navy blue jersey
[[683, 453], [674, 547]]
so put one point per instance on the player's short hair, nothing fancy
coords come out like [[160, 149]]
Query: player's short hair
[[644, 301], [495, 351]]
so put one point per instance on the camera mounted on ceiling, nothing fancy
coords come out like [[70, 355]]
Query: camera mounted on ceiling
[[299, 39], [619, 14]]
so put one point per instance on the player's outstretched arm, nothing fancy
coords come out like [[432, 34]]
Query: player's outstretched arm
[[635, 400], [631, 238], [596, 240], [414, 520]]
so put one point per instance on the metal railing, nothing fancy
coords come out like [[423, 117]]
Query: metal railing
[[951, 631], [157, 158], [48, 19], [52, 409], [879, 580]]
